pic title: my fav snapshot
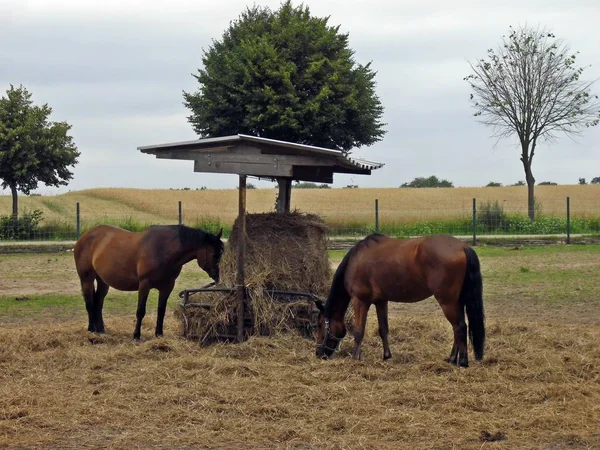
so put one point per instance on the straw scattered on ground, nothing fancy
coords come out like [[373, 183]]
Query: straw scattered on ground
[[538, 387]]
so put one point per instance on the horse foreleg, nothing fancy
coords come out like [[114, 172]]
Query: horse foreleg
[[382, 318], [143, 291], [360, 321], [163, 296]]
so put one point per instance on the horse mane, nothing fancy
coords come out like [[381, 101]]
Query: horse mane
[[338, 290], [195, 237]]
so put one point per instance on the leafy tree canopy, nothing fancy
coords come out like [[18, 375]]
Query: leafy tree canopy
[[429, 182], [32, 149], [286, 75]]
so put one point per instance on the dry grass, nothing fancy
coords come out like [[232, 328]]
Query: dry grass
[[538, 387], [335, 205]]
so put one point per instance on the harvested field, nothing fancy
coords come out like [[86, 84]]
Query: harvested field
[[335, 205], [538, 386]]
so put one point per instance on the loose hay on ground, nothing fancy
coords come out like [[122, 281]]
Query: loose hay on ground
[[538, 387], [283, 251]]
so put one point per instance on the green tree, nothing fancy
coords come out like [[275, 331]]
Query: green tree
[[429, 182], [286, 75], [32, 149], [531, 87]]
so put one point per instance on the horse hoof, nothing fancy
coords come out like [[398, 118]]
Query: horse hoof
[[386, 357]]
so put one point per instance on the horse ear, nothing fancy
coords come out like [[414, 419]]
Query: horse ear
[[220, 233], [320, 305]]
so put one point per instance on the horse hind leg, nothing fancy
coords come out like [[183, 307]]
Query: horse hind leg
[[99, 295], [87, 289], [456, 316]]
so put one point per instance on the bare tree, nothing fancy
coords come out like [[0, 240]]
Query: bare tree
[[531, 87]]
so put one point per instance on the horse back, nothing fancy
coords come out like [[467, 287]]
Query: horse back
[[105, 250], [406, 270]]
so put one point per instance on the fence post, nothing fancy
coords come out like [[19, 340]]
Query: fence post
[[474, 222], [568, 220], [78, 221], [180, 215], [376, 215]]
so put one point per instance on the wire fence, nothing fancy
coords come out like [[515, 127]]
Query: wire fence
[[476, 218]]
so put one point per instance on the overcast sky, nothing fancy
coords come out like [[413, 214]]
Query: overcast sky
[[115, 70]]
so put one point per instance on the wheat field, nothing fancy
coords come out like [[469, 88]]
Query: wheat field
[[334, 205]]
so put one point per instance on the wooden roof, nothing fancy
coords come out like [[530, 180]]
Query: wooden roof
[[261, 157]]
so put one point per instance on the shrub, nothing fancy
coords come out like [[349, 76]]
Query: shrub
[[491, 216], [26, 226]]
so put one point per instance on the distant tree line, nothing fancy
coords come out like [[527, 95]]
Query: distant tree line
[[309, 185], [428, 182]]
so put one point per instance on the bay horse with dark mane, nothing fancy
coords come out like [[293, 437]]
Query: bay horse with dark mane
[[380, 269], [140, 261]]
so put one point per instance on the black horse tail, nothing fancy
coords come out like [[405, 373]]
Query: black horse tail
[[338, 293], [471, 296]]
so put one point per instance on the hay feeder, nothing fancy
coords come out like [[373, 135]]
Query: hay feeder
[[287, 268]]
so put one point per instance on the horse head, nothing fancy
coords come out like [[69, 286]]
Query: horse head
[[330, 333], [209, 255]]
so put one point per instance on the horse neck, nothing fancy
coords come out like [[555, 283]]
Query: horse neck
[[187, 250], [183, 254], [339, 299], [339, 306]]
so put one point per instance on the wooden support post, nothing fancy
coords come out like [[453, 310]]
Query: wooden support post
[[240, 281], [285, 194]]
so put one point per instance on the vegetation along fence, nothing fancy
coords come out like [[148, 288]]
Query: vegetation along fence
[[472, 219]]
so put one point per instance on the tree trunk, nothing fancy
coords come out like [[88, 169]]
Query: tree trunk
[[15, 202], [526, 158], [530, 196]]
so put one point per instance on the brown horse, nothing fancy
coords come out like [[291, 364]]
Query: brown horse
[[128, 261], [380, 269]]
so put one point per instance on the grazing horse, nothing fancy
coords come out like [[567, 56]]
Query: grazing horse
[[128, 261], [380, 269]]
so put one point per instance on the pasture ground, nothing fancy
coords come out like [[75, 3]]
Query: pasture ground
[[538, 386]]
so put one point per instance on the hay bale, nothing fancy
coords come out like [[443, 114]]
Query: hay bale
[[284, 251]]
